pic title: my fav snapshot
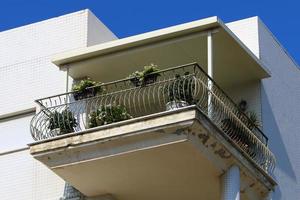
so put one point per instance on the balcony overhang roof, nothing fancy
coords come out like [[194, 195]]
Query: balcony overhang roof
[[167, 47]]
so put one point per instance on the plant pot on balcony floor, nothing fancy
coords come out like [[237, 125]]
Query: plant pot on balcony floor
[[173, 105], [149, 79], [135, 81], [55, 131], [59, 131]]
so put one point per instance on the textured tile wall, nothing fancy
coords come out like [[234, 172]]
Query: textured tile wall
[[26, 72], [24, 178]]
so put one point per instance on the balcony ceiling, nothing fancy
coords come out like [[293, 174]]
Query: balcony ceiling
[[186, 43], [156, 173]]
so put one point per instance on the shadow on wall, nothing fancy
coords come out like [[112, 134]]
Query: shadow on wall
[[270, 127]]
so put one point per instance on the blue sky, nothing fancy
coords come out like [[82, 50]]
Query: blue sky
[[129, 17]]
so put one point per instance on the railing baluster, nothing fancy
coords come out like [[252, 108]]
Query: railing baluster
[[193, 86]]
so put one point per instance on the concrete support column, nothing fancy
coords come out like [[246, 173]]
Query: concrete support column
[[210, 54], [71, 193], [210, 70], [231, 184], [269, 197]]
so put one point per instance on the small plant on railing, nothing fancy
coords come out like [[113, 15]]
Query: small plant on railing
[[62, 122], [86, 88], [180, 91], [147, 76], [135, 78], [108, 114]]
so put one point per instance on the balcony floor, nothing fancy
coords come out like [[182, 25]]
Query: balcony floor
[[173, 155]]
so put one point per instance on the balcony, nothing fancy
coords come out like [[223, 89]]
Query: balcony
[[172, 113]]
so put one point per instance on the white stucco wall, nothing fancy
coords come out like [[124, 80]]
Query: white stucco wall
[[281, 113], [250, 92], [97, 32], [280, 96], [247, 32]]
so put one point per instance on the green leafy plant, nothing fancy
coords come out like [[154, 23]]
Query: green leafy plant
[[135, 78], [108, 114], [181, 89], [254, 120], [81, 90], [147, 76], [64, 121]]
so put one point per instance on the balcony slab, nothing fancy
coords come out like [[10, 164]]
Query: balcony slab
[[171, 155]]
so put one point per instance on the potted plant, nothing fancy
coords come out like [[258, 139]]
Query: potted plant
[[108, 114], [85, 89], [135, 78], [180, 92], [62, 122], [147, 76]]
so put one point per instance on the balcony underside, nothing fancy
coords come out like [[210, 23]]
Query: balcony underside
[[152, 157]]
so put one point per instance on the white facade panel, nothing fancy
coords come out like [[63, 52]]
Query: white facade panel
[[15, 134], [280, 96], [100, 34], [246, 30], [280, 100], [26, 74], [24, 178], [43, 38], [250, 92], [22, 83], [26, 71]]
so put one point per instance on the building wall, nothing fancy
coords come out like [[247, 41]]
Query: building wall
[[25, 67], [280, 96], [24, 178], [250, 92], [26, 56], [247, 32], [280, 108], [26, 73], [100, 34], [15, 133]]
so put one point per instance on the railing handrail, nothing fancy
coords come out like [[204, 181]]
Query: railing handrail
[[118, 81], [140, 99], [39, 101], [237, 107]]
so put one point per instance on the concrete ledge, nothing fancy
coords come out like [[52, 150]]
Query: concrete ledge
[[139, 126]]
